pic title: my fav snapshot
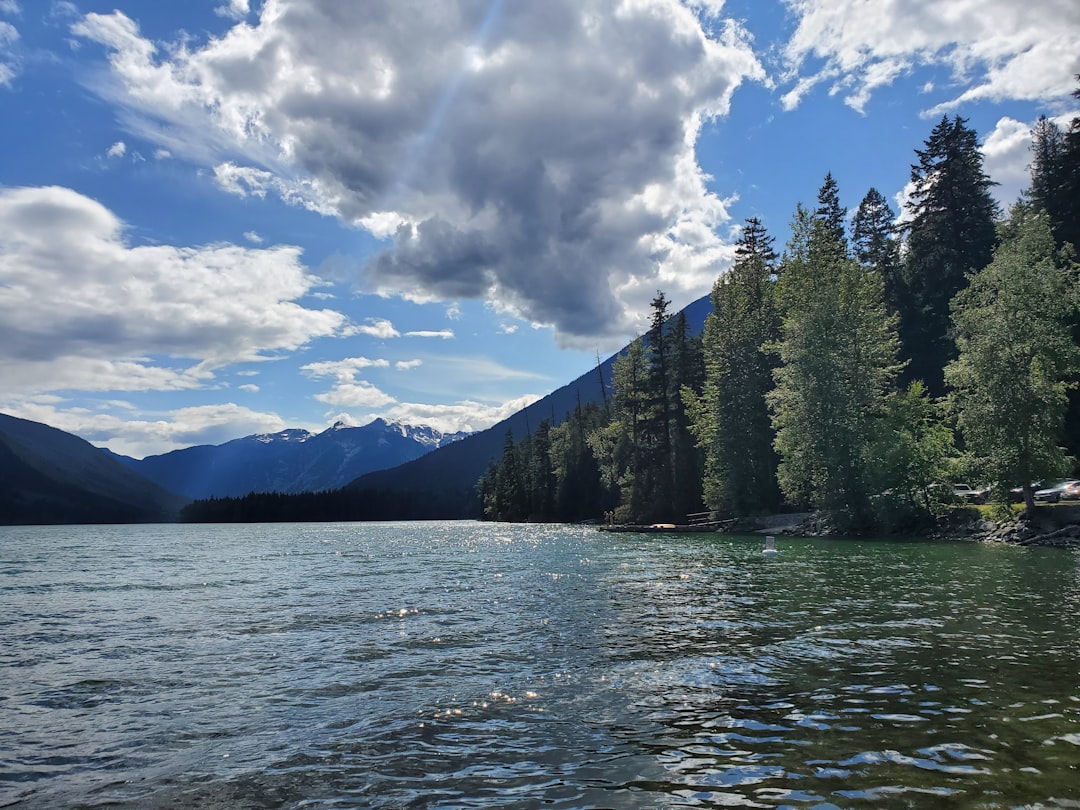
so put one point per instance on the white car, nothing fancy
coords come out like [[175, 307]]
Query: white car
[[968, 493], [1052, 492]]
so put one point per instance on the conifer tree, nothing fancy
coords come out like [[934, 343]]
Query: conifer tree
[[688, 372], [1048, 187], [875, 245], [829, 212], [730, 419], [1067, 227], [950, 235], [620, 446], [657, 429], [1016, 355]]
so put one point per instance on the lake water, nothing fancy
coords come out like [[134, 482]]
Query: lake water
[[476, 665]]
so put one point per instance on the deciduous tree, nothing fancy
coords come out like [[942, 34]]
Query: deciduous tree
[[1016, 355]]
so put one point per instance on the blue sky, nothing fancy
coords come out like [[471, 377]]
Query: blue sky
[[223, 217]]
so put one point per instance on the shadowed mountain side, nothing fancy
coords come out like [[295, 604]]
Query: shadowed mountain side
[[49, 476], [448, 476]]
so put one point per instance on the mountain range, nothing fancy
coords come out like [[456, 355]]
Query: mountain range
[[290, 461]]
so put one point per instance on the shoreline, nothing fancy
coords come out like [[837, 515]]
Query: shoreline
[[1051, 526]]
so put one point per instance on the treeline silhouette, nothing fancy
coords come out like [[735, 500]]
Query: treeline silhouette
[[329, 505]]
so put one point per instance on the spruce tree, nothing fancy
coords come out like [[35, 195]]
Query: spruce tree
[[730, 419], [950, 235], [1016, 357]]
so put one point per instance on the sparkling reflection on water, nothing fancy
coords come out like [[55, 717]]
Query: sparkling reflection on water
[[471, 665]]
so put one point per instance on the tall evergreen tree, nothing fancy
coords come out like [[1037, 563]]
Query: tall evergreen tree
[[730, 419], [1048, 188], [578, 493], [620, 446], [874, 243], [829, 212], [657, 429], [687, 374], [1016, 355], [949, 235], [838, 350], [1067, 228]]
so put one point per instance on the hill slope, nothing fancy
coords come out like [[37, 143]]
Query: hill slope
[[49, 476], [447, 477]]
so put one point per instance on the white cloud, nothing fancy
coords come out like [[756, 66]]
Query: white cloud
[[251, 388], [406, 365], [455, 126], [994, 49], [445, 334], [508, 328], [253, 237], [142, 434], [459, 416], [349, 391], [9, 59], [377, 327], [234, 10], [117, 150], [10, 7], [359, 394], [343, 370], [162, 154], [80, 308]]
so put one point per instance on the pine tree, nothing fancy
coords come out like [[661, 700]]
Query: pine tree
[[875, 245], [950, 235], [730, 419], [838, 363], [1016, 355]]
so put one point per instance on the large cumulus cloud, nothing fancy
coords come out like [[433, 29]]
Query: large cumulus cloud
[[82, 309], [537, 155]]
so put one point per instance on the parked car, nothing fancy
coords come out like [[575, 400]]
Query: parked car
[[1051, 491], [1071, 492], [969, 494]]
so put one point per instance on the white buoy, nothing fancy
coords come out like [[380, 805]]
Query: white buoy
[[770, 545]]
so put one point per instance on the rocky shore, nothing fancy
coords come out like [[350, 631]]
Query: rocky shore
[[1052, 525], [1039, 531]]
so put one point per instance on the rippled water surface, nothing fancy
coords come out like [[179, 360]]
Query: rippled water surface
[[472, 665]]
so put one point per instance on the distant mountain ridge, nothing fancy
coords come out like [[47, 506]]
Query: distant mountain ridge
[[49, 476], [290, 461]]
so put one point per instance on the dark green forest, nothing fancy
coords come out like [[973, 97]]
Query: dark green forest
[[856, 373]]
